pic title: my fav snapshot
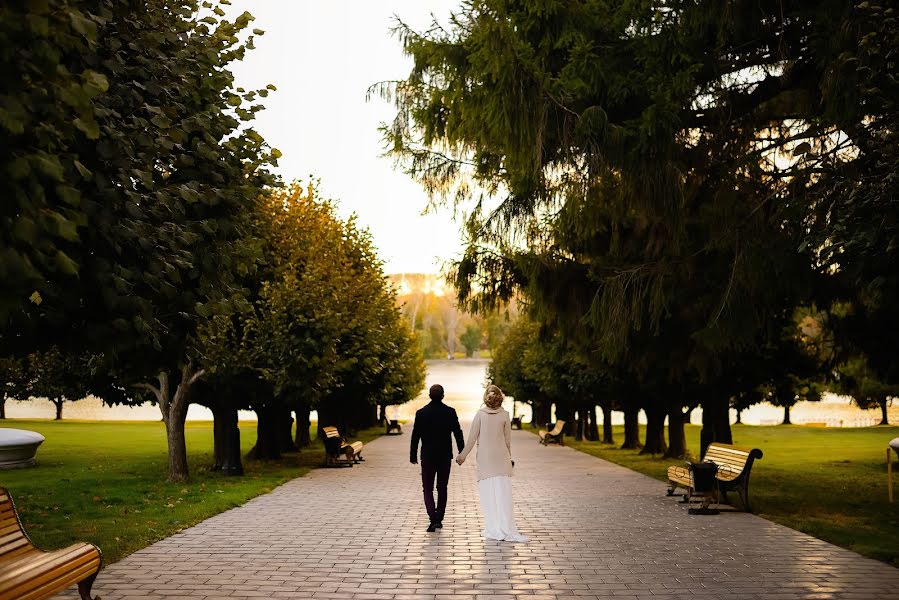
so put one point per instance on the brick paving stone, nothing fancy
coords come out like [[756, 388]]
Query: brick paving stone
[[598, 531]]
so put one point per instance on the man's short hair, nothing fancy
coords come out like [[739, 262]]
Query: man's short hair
[[436, 392]]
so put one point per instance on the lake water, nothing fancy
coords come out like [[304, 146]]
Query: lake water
[[463, 381]]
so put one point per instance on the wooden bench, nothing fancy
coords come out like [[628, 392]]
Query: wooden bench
[[27, 573], [394, 427], [734, 465], [554, 436], [339, 452], [516, 423]]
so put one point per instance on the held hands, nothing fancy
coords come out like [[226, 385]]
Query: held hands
[[460, 460]]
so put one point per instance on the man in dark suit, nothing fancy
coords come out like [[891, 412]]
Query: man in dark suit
[[434, 426]]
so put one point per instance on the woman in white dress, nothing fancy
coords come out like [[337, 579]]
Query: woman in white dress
[[491, 430]]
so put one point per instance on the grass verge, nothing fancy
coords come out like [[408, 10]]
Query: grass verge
[[829, 483], [104, 482]]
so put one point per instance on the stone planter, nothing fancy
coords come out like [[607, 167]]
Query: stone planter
[[18, 447]]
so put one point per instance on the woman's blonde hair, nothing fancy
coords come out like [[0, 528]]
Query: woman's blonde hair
[[493, 397]]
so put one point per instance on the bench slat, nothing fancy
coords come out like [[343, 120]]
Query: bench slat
[[76, 553], [53, 581], [27, 573]]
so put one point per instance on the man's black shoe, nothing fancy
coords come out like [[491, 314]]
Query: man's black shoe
[[439, 524], [432, 527]]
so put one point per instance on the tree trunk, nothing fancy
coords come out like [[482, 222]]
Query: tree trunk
[[284, 423], [677, 439], [631, 427], [219, 435], [226, 436], [231, 464], [655, 429], [540, 413], [787, 416], [58, 404], [174, 414], [327, 418], [580, 424], [688, 415], [3, 407], [303, 425], [715, 423], [177, 415], [883, 411], [267, 445], [593, 431], [174, 428], [607, 424], [739, 417], [563, 413]]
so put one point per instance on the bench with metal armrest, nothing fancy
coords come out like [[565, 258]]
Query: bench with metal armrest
[[734, 466], [554, 435], [339, 452]]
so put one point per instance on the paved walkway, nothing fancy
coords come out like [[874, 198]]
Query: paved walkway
[[597, 531]]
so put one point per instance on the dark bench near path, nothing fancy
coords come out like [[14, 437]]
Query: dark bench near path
[[734, 467], [597, 531], [338, 451]]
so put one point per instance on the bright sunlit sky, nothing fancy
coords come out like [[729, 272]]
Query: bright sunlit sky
[[323, 55]]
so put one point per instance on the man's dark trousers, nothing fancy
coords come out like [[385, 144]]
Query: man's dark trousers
[[439, 469]]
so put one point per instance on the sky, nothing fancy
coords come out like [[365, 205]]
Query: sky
[[323, 55]]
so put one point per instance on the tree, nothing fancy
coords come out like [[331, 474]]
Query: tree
[[58, 377], [507, 370], [13, 381], [852, 214], [471, 339], [635, 153], [857, 379], [157, 189], [323, 331], [47, 111]]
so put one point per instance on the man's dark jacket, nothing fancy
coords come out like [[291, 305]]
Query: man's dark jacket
[[434, 426]]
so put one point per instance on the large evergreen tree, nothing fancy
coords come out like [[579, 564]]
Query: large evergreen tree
[[653, 164]]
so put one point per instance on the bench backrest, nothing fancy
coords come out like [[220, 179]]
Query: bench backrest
[[332, 441], [733, 458], [13, 540], [560, 425]]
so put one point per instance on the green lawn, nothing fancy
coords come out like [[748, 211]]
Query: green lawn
[[104, 482], [829, 483]]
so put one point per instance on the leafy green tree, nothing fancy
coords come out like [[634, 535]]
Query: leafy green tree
[[471, 339], [14, 381], [47, 111], [507, 369], [855, 378], [58, 377], [323, 332], [153, 191]]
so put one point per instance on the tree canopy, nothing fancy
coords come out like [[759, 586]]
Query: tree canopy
[[656, 170]]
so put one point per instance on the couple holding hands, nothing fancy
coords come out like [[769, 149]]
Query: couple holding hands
[[491, 431]]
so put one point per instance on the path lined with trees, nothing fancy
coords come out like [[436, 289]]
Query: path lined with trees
[[696, 202], [149, 253], [597, 531]]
